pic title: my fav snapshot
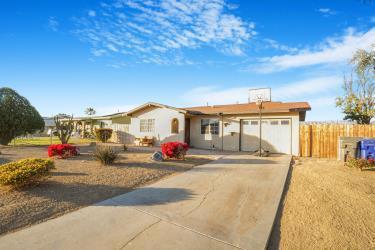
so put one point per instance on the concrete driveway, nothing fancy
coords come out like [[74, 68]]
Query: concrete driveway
[[230, 203]]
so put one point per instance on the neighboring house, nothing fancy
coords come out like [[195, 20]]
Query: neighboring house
[[49, 123], [49, 126], [230, 127], [119, 122]]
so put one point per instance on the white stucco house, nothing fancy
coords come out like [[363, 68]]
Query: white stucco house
[[234, 127]]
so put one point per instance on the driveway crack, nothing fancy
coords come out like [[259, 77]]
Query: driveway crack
[[204, 198], [141, 232]]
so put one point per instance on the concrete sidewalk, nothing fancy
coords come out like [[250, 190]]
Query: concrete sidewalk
[[230, 203]]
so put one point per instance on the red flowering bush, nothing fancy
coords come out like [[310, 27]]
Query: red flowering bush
[[174, 149], [62, 150]]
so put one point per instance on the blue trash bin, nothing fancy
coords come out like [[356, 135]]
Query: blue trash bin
[[367, 149]]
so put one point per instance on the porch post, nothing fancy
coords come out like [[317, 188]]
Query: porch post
[[222, 131]]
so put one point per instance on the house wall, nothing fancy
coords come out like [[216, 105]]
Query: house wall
[[163, 121], [231, 140], [121, 120]]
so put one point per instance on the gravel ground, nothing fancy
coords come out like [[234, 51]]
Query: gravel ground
[[327, 206], [78, 182]]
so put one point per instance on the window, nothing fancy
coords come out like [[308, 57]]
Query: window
[[274, 122], [210, 126], [284, 122], [214, 127], [254, 123], [174, 126], [205, 124], [147, 125]]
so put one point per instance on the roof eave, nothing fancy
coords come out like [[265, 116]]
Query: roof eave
[[150, 104]]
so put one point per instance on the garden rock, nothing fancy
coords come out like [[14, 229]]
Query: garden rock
[[157, 156]]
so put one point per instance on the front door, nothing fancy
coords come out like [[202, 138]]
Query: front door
[[187, 130]]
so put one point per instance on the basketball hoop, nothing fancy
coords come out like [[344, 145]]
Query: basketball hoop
[[260, 95]]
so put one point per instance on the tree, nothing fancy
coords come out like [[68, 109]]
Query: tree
[[90, 111], [364, 61], [358, 102], [64, 127], [17, 116]]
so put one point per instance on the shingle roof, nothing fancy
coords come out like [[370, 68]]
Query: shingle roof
[[246, 108]]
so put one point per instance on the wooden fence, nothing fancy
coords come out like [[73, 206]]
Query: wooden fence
[[321, 140]]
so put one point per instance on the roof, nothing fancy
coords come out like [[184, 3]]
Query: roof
[[244, 108], [248, 108], [153, 104], [102, 117]]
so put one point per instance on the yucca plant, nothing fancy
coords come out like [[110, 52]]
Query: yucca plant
[[105, 155]]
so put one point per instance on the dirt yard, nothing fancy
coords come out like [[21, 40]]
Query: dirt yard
[[78, 182], [326, 206]]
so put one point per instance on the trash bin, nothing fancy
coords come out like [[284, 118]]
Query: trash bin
[[367, 149]]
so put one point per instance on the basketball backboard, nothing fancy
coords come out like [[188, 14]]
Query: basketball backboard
[[263, 94]]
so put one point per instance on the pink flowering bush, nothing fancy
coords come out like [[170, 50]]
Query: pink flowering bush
[[174, 149], [62, 150]]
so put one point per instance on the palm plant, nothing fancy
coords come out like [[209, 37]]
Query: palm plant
[[90, 111]]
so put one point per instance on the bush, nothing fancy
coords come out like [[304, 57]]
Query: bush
[[24, 172], [174, 149], [360, 163], [103, 134], [62, 150], [105, 155]]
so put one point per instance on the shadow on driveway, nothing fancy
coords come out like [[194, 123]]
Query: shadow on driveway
[[244, 161], [149, 196]]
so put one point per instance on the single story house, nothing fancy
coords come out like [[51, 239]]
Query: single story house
[[234, 127], [119, 122]]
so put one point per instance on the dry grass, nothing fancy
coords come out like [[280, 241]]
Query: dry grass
[[46, 140], [78, 182], [327, 206]]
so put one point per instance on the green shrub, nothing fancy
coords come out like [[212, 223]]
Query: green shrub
[[24, 172], [360, 163], [18, 116], [105, 155], [103, 134]]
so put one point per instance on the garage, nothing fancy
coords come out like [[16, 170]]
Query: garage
[[276, 135]]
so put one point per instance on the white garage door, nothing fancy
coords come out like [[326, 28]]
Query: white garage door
[[276, 135]]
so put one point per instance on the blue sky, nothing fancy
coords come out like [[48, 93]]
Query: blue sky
[[112, 55]]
